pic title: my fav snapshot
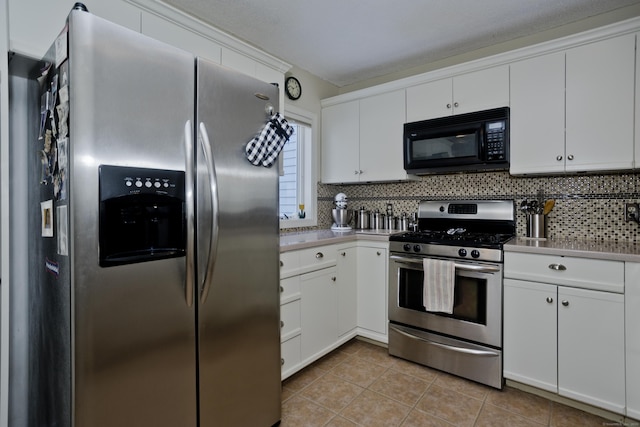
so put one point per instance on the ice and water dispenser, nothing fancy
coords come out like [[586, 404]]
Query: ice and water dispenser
[[142, 215]]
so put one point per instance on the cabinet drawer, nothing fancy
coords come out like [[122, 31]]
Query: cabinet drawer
[[289, 263], [289, 320], [289, 289], [290, 356], [317, 258], [603, 275]]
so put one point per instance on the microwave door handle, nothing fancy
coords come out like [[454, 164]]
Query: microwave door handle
[[213, 242]]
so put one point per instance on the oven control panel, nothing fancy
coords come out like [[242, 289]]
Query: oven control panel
[[449, 251]]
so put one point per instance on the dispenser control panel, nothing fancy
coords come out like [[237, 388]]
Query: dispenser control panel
[[118, 181]]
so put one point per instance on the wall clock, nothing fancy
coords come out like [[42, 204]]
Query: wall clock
[[292, 88]]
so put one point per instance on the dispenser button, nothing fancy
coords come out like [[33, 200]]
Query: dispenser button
[[148, 184], [157, 184], [138, 184]]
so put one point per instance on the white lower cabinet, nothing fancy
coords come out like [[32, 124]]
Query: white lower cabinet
[[347, 289], [632, 319], [564, 339], [372, 290], [319, 312]]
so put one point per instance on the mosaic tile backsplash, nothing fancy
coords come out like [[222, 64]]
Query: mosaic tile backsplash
[[587, 206]]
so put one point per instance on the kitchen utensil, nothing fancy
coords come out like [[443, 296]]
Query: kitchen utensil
[[548, 206], [342, 217], [363, 219]]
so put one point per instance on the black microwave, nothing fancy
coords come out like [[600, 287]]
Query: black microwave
[[465, 142]]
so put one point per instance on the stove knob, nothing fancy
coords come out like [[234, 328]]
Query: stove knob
[[417, 248], [462, 252], [406, 247], [475, 253]]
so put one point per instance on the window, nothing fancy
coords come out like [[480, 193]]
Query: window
[[297, 172]]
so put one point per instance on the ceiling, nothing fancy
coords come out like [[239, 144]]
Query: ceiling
[[349, 41]]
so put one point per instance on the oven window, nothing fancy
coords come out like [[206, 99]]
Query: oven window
[[469, 301]]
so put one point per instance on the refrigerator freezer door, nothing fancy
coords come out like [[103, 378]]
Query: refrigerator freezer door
[[135, 340], [239, 331]]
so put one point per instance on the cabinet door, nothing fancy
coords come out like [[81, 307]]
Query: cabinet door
[[347, 289], [591, 365], [430, 100], [537, 115], [600, 105], [530, 330], [318, 311], [382, 119], [372, 290], [341, 142], [481, 90], [632, 321]]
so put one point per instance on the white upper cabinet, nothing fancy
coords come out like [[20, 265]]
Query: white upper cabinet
[[464, 93], [161, 29], [34, 25], [600, 105], [362, 139], [573, 111], [537, 114]]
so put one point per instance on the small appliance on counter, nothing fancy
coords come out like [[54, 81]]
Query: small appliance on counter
[[341, 215]]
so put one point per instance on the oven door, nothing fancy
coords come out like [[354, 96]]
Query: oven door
[[477, 311]]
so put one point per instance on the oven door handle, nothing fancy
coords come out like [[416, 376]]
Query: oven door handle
[[465, 267], [470, 351]]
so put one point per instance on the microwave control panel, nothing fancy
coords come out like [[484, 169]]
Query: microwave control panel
[[496, 135]]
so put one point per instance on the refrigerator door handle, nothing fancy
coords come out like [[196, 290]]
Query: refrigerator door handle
[[189, 190], [213, 243]]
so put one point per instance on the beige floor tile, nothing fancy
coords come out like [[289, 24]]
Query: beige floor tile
[[418, 418], [332, 360], [372, 410], [338, 421], [375, 354], [493, 416], [450, 405], [401, 387], [358, 371], [332, 392], [463, 386], [300, 412], [303, 378], [566, 416], [414, 369], [528, 405]]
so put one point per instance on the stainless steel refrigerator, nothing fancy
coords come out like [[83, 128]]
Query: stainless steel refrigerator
[[153, 291]]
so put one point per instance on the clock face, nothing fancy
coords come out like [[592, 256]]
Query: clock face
[[293, 88]]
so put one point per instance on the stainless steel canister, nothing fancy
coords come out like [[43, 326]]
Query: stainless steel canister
[[391, 223], [403, 222], [378, 220], [363, 219]]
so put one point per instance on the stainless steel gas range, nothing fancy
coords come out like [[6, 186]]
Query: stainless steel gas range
[[467, 237]]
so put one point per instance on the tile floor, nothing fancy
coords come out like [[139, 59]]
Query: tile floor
[[359, 384]]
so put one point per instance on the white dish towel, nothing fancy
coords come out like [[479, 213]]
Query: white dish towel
[[439, 282]]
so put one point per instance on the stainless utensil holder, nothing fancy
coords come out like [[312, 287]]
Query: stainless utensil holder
[[537, 226]]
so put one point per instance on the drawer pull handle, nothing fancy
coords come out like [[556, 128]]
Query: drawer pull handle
[[565, 303], [333, 279], [281, 289], [281, 324], [557, 267], [343, 254], [319, 255], [281, 263], [549, 300], [378, 253], [282, 362]]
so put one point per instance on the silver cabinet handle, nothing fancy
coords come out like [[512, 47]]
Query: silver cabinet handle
[[282, 362], [549, 300], [557, 267], [333, 279], [570, 157], [281, 324], [565, 303], [448, 105], [343, 254], [281, 289], [190, 213], [456, 105], [319, 255], [281, 263], [559, 158], [355, 172]]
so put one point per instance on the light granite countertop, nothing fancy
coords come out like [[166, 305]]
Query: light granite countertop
[[309, 239], [616, 251]]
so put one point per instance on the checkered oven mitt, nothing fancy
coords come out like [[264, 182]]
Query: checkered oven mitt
[[264, 148]]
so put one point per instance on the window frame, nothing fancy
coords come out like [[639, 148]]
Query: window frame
[[307, 169]]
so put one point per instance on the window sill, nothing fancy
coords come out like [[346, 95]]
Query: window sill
[[294, 223]]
